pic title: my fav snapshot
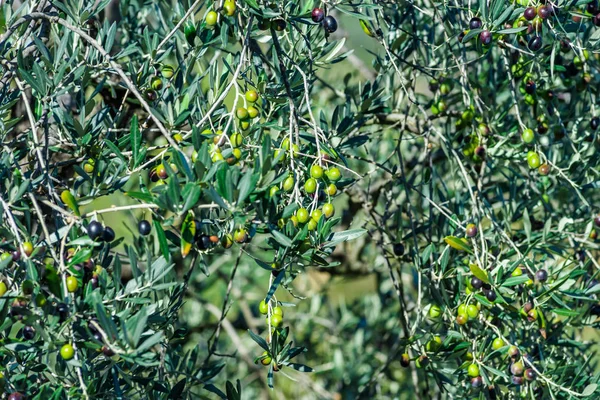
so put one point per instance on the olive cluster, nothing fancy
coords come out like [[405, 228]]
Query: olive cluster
[[531, 21], [211, 19], [98, 232], [274, 319], [318, 175], [466, 120], [538, 93], [42, 295], [329, 22], [205, 241], [477, 311]]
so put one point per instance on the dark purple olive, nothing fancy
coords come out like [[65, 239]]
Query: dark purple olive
[[530, 13], [485, 37], [491, 296], [543, 12], [95, 230], [107, 351], [63, 311], [330, 24], [144, 227], [204, 242], [16, 255], [530, 374], [517, 380], [596, 20], [108, 235], [398, 249], [477, 382], [535, 43], [476, 283], [530, 86], [594, 123], [317, 14], [154, 175], [541, 275], [480, 152], [15, 396], [278, 24], [475, 23], [597, 220], [62, 308], [28, 332], [151, 95], [592, 7]]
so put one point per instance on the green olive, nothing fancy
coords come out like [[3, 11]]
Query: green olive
[[533, 159], [229, 7], [310, 186], [263, 307], [328, 210], [316, 171], [333, 174], [251, 96], [302, 215], [331, 190], [435, 311], [211, 18], [72, 284], [242, 114], [288, 184], [473, 370], [497, 344], [67, 351], [252, 112]]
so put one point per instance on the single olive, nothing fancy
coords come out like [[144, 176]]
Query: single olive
[[330, 24]]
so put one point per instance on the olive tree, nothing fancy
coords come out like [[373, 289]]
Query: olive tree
[[299, 199]]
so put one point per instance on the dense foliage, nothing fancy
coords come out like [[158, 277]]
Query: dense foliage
[[299, 199]]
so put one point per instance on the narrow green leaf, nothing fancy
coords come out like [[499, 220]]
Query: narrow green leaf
[[135, 137], [281, 238], [274, 285], [479, 273], [246, 186], [339, 237], [162, 239], [259, 340], [458, 244], [515, 280], [188, 232]]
